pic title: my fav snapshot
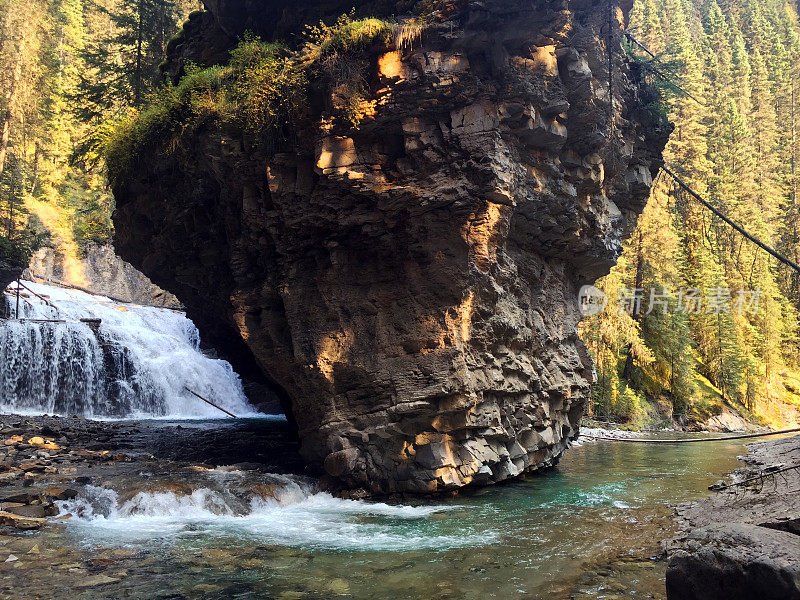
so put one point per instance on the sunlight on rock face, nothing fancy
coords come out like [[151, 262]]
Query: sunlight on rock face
[[480, 235], [390, 65], [61, 233], [465, 317], [333, 349]]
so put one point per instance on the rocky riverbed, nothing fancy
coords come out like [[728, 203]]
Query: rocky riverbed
[[744, 541], [49, 463], [48, 459], [221, 509]]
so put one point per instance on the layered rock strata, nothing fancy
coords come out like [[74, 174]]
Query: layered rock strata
[[410, 286]]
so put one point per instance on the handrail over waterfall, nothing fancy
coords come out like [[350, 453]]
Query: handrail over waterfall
[[70, 286]]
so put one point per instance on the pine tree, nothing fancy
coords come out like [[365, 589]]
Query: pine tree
[[738, 147], [122, 67]]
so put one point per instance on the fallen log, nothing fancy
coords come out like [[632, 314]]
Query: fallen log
[[211, 403]]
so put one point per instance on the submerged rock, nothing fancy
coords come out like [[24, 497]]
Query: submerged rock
[[410, 286]]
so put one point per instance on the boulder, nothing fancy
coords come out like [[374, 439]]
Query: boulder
[[21, 521], [36, 511], [736, 561], [177, 488]]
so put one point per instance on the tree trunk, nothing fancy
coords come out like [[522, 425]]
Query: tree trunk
[[35, 177], [8, 113], [627, 371], [137, 90], [795, 215]]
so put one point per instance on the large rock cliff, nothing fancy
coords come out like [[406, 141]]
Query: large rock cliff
[[410, 285]]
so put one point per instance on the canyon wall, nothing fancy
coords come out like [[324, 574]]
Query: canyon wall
[[410, 285], [100, 271]]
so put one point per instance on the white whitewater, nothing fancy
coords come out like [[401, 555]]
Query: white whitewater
[[137, 365], [296, 517]]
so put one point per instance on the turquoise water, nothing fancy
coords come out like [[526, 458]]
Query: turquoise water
[[588, 529]]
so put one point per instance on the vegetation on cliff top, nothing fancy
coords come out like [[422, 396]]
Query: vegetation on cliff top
[[263, 89]]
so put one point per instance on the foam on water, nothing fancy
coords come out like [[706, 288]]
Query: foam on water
[[136, 366], [296, 517]]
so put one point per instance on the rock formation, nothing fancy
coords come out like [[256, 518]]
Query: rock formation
[[410, 285], [102, 272], [735, 561], [743, 542], [11, 267]]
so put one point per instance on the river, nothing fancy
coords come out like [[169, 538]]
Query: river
[[589, 528]]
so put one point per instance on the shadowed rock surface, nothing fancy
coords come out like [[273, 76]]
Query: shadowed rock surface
[[11, 268], [743, 542], [736, 562], [410, 286]]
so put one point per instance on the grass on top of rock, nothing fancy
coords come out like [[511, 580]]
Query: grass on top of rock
[[263, 88], [344, 36], [170, 112]]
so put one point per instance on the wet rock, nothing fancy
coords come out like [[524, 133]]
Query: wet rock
[[207, 588], [32, 466], [95, 580], [264, 491], [338, 587], [9, 476], [179, 488], [38, 511], [736, 562], [59, 493], [21, 522], [20, 497]]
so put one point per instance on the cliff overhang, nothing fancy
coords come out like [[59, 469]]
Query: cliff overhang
[[410, 283]]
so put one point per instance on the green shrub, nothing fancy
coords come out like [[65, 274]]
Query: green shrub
[[268, 86], [344, 36], [170, 111], [263, 88], [631, 405], [12, 251], [21, 247]]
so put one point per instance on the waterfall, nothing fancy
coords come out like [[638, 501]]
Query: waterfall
[[136, 364]]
